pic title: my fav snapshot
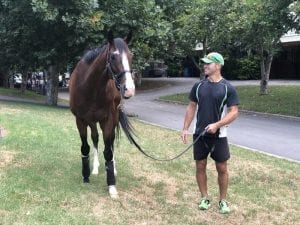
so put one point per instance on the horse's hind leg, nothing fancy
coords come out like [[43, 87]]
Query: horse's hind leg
[[85, 149], [95, 138]]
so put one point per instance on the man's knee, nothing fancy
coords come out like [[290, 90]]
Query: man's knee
[[201, 166], [222, 167]]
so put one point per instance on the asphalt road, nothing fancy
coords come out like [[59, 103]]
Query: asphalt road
[[275, 135]]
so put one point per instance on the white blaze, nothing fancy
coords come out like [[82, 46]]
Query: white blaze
[[129, 83]]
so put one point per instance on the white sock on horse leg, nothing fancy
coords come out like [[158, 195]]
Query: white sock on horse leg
[[115, 170], [95, 162]]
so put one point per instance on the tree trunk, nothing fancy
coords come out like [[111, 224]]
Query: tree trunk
[[198, 67], [24, 80], [137, 78], [205, 44], [265, 68], [6, 77], [11, 79], [204, 41], [52, 86]]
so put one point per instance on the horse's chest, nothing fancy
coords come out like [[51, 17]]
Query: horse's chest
[[101, 113]]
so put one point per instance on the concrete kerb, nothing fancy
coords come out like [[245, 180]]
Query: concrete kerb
[[265, 153]]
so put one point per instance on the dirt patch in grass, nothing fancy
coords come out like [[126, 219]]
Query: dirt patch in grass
[[3, 213], [6, 157], [133, 207], [3, 132]]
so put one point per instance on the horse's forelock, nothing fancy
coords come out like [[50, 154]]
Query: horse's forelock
[[120, 45]]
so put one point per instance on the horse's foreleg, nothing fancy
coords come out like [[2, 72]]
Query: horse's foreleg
[[110, 169], [109, 164], [85, 149], [109, 137], [95, 138]]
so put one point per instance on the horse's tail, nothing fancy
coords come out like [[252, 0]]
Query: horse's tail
[[127, 128]]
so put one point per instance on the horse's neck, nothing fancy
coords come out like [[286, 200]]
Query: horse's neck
[[96, 77]]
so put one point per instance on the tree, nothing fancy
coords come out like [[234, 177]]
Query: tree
[[146, 19], [16, 47], [267, 21], [65, 29], [209, 22], [48, 34]]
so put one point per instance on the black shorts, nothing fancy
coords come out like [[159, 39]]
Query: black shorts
[[217, 147]]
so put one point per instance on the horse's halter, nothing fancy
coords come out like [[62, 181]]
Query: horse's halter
[[117, 77]]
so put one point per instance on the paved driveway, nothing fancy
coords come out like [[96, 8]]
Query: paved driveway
[[270, 134]]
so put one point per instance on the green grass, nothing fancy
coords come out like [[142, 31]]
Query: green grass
[[27, 94], [14, 92], [40, 173], [282, 100]]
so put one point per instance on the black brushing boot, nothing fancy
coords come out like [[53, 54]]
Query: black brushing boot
[[111, 180], [86, 169]]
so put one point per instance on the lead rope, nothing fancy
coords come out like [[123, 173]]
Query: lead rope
[[184, 151]]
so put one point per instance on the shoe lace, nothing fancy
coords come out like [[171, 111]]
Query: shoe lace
[[205, 201], [223, 204]]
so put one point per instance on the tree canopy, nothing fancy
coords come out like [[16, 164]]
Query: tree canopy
[[37, 34]]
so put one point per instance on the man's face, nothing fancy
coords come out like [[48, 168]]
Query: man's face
[[211, 68]]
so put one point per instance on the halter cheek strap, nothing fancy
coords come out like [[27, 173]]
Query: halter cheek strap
[[116, 76]]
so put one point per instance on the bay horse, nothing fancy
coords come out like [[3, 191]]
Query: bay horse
[[99, 82]]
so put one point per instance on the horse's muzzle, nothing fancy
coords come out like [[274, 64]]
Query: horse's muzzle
[[128, 92]]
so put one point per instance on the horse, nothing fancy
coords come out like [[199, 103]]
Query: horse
[[98, 83]]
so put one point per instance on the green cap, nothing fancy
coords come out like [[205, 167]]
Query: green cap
[[213, 57]]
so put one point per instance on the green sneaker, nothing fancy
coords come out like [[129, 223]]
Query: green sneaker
[[204, 203], [223, 207]]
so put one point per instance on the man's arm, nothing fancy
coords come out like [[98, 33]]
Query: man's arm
[[231, 115], [189, 116]]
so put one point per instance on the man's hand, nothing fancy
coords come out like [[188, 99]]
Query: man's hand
[[212, 128], [184, 135]]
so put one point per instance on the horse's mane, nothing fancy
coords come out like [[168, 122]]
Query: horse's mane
[[91, 55]]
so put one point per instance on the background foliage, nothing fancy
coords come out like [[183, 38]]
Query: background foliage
[[43, 34]]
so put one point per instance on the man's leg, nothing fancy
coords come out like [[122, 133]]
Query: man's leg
[[201, 176], [222, 178]]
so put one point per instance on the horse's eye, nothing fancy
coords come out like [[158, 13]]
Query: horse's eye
[[113, 57]]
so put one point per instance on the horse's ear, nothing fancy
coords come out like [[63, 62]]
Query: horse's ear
[[128, 37], [110, 37]]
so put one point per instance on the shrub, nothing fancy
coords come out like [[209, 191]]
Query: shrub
[[246, 68]]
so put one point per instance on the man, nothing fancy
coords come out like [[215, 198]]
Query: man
[[216, 103]]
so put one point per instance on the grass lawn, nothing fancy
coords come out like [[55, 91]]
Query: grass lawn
[[14, 92], [280, 100], [40, 173]]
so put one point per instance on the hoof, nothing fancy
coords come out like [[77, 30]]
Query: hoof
[[86, 180], [95, 172], [113, 192]]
